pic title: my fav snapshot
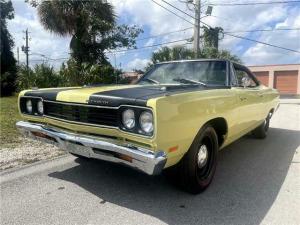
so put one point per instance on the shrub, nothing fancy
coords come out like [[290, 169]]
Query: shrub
[[75, 74], [41, 76], [70, 74]]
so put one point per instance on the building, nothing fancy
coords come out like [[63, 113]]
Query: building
[[131, 76], [285, 78]]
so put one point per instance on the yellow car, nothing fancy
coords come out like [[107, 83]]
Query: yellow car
[[175, 118]]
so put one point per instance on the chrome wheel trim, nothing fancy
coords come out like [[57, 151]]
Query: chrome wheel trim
[[202, 156]]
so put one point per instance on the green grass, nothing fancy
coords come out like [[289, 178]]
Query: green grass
[[9, 115]]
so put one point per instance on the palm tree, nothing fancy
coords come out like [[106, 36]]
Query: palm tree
[[172, 53], [180, 52], [91, 24]]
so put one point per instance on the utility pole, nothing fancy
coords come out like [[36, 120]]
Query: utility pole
[[25, 49], [115, 59], [197, 28], [18, 56]]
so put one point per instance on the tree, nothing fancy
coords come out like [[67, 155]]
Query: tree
[[41, 76], [8, 62], [91, 25], [219, 54], [175, 53], [212, 36], [181, 52], [74, 74]]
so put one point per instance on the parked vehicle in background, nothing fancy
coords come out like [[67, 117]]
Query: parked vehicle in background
[[175, 118]]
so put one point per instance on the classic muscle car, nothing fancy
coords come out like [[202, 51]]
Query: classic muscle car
[[175, 118]]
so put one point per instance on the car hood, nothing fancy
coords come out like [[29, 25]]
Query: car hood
[[112, 95]]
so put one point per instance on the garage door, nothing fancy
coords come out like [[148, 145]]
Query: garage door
[[286, 81], [263, 77]]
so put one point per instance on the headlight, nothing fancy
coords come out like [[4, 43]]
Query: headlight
[[146, 122], [40, 107], [29, 106], [128, 118]]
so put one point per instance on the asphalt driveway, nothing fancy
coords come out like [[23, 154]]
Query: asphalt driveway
[[257, 182]]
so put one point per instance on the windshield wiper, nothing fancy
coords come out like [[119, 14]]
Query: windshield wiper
[[151, 80], [188, 81]]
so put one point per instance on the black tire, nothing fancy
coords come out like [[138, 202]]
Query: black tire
[[192, 174], [80, 156], [261, 131]]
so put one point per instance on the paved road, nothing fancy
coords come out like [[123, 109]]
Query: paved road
[[257, 181]]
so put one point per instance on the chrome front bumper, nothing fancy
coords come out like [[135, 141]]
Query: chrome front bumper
[[139, 158]]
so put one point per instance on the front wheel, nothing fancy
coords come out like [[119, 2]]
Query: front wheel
[[81, 157], [197, 168]]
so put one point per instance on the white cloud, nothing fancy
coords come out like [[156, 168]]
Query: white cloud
[[237, 18], [262, 54], [157, 20], [150, 42], [137, 63], [40, 41], [147, 13]]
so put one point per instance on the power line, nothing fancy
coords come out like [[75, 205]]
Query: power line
[[253, 3], [46, 58], [262, 30], [261, 42], [172, 12], [197, 19], [236, 36], [163, 34], [148, 46], [178, 9]]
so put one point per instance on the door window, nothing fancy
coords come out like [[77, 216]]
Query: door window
[[242, 78]]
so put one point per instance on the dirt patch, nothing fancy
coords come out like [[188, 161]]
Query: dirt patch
[[26, 151]]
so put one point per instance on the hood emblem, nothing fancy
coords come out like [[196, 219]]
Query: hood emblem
[[98, 101]]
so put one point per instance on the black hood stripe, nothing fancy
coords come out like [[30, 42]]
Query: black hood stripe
[[140, 95], [47, 94]]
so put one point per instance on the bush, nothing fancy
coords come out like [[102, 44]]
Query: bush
[[41, 76], [7, 83], [75, 74], [70, 74]]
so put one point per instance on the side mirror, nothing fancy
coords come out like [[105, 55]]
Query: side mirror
[[246, 82]]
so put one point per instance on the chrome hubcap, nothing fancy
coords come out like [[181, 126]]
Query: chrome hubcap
[[202, 156]]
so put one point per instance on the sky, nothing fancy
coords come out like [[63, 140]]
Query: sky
[[155, 20]]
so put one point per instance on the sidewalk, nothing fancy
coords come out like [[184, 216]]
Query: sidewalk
[[290, 101]]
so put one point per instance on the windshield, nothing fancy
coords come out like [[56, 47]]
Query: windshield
[[192, 72]]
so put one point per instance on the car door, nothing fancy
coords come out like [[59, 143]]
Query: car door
[[249, 96]]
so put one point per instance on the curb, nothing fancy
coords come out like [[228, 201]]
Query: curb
[[26, 166]]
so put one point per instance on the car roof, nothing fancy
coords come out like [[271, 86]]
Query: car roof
[[193, 60]]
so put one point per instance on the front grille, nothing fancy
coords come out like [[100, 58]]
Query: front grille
[[82, 114]]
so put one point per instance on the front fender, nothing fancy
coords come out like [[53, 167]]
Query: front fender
[[180, 117]]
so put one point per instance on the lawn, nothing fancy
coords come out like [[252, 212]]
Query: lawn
[[9, 115]]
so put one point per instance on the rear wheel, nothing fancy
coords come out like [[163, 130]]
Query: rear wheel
[[261, 131], [195, 171]]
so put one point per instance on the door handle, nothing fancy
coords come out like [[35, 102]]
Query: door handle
[[243, 98], [260, 95]]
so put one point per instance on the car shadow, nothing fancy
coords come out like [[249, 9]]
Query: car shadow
[[249, 176]]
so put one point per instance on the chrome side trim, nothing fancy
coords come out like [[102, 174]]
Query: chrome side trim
[[142, 159]]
